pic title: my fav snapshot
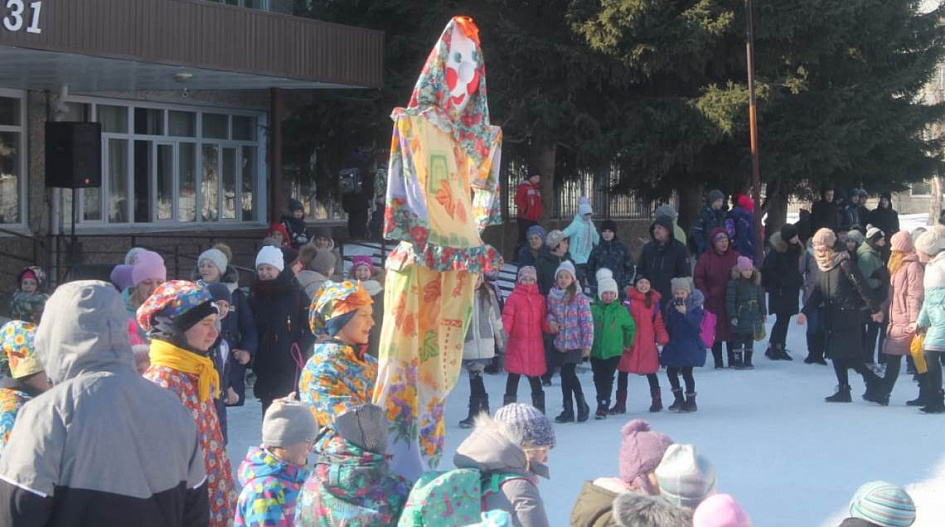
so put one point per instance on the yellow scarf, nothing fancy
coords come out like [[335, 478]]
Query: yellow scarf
[[169, 355]]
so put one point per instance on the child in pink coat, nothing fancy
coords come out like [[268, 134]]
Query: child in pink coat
[[524, 320], [644, 358]]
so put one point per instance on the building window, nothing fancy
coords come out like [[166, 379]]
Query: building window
[[12, 157], [923, 189], [172, 165]]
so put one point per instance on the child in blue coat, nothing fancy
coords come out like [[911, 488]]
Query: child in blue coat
[[686, 349]]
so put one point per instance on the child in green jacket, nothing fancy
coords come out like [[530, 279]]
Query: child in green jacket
[[613, 335]]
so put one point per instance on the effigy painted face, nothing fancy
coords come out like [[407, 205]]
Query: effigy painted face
[[462, 68]]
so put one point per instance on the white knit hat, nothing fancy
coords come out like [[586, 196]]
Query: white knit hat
[[930, 242], [604, 285], [685, 477], [568, 267], [272, 256], [602, 273]]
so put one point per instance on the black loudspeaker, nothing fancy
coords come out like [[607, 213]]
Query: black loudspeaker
[[73, 155]]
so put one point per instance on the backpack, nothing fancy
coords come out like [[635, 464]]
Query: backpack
[[707, 328], [349, 181], [454, 497]]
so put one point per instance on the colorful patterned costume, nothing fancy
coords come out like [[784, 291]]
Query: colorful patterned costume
[[351, 487], [219, 479], [442, 191], [11, 401], [334, 380], [270, 489]]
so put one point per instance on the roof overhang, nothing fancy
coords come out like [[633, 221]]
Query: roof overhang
[[102, 45]]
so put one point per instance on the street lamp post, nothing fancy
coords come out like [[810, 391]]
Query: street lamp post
[[753, 126]]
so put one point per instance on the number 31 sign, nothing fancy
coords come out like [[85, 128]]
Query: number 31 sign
[[17, 15]]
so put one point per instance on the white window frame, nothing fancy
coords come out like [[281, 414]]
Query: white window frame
[[260, 144], [926, 195], [23, 177]]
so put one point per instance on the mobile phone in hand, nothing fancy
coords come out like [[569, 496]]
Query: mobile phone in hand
[[677, 301]]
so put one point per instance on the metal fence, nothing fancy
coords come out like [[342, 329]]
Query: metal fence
[[596, 186]]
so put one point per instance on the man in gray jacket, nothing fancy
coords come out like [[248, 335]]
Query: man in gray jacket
[[104, 447]]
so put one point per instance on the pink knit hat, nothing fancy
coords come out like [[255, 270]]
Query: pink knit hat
[[902, 241], [744, 264], [826, 237], [362, 260], [720, 510], [641, 451], [746, 203], [148, 265]]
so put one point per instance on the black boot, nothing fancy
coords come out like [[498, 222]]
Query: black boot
[[717, 356], [782, 353], [484, 404], [508, 399], [679, 402], [657, 403], [690, 405], [748, 364], [923, 398], [842, 395], [538, 401], [738, 363], [567, 416], [936, 404], [731, 357], [602, 409], [620, 403], [771, 352], [474, 409], [874, 389], [583, 410]]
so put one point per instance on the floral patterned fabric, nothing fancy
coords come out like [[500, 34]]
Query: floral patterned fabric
[[10, 403], [270, 490], [178, 295], [442, 191], [18, 358], [351, 487], [216, 462], [334, 380]]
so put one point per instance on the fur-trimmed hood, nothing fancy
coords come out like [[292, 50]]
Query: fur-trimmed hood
[[778, 244], [632, 510], [755, 275]]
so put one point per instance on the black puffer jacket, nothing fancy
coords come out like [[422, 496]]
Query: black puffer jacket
[[781, 276], [660, 263], [547, 266], [280, 309], [843, 293], [611, 255], [885, 218]]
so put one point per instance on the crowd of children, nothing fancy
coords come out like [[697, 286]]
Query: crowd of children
[[310, 341]]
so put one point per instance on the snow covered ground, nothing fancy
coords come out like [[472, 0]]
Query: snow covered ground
[[789, 458]]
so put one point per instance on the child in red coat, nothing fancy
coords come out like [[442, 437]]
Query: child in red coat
[[524, 319], [644, 358]]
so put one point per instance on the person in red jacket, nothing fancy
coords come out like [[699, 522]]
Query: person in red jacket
[[643, 302], [524, 320], [528, 203], [713, 271]]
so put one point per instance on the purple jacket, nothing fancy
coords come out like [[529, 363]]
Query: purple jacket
[[575, 319]]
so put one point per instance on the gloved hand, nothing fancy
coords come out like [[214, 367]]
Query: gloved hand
[[733, 321]]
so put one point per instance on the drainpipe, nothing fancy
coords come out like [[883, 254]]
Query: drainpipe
[[277, 196]]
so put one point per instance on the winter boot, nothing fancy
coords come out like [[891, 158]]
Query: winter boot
[[717, 356], [771, 352], [538, 401], [936, 404], [782, 353], [739, 363], [567, 416], [620, 404], [679, 402], [493, 367], [690, 405], [602, 409], [731, 357], [842, 395], [474, 408], [874, 388], [657, 404], [748, 364], [583, 410], [484, 405], [923, 398], [508, 399]]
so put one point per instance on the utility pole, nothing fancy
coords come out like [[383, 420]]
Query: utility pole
[[753, 125]]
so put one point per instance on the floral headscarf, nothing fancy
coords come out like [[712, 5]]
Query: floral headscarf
[[18, 349]]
